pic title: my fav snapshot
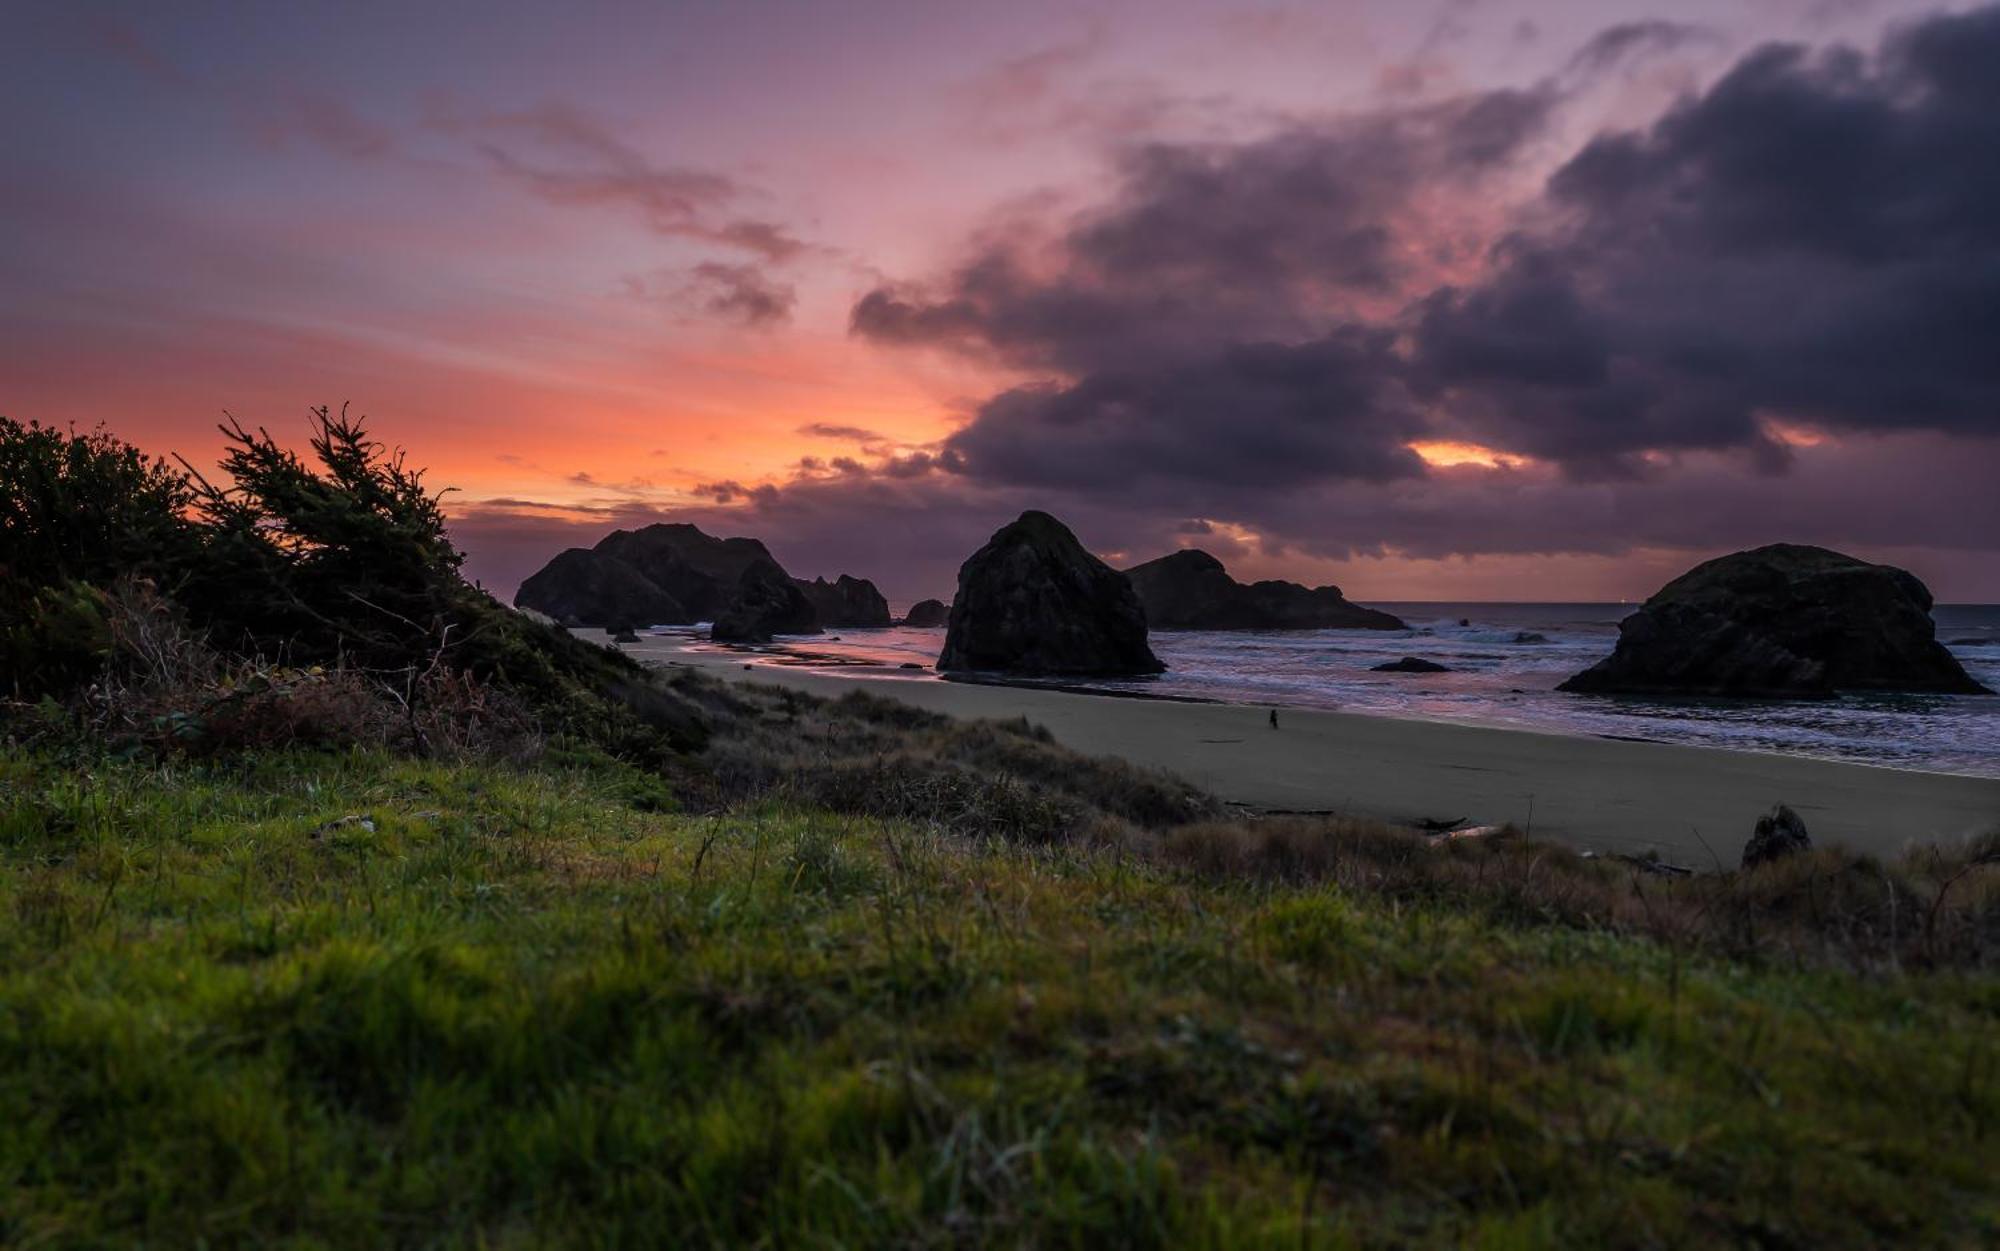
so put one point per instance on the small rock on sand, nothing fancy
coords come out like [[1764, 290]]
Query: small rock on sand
[[1780, 833]]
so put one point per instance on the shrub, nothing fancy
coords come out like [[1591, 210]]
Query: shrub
[[161, 688], [345, 557], [293, 565], [77, 511]]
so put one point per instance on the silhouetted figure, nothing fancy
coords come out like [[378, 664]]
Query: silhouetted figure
[[1274, 718]]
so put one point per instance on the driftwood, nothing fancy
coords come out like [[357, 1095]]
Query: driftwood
[[1648, 863]]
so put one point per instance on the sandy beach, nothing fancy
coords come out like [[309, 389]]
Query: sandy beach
[[1694, 805]]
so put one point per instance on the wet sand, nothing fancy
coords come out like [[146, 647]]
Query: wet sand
[[1694, 805]]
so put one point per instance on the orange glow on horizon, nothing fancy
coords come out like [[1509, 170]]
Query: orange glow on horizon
[[1793, 435], [1444, 453]]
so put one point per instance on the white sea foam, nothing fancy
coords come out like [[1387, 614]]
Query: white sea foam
[[1501, 675]]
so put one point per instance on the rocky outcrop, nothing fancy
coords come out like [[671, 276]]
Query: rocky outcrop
[[1033, 601], [847, 602], [675, 574], [1411, 664], [584, 588], [1785, 621], [928, 613], [699, 570], [1779, 834], [1190, 590], [658, 575], [766, 602]]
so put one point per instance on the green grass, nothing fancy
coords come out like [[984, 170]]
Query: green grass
[[524, 1005]]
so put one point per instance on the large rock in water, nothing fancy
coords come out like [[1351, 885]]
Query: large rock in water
[[928, 613], [846, 602], [584, 588], [699, 570], [1784, 621], [631, 575], [767, 602], [1033, 601], [1190, 590]]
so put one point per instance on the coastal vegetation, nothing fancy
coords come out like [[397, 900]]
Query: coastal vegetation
[[353, 997], [330, 925]]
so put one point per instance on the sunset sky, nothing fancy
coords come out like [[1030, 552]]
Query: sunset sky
[[1469, 300]]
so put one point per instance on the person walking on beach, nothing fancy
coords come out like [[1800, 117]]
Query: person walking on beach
[[1274, 718]]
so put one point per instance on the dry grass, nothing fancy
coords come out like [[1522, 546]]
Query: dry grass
[[1011, 782], [354, 999], [167, 691], [1933, 907], [865, 756]]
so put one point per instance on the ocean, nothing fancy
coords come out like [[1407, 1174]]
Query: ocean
[[1506, 660]]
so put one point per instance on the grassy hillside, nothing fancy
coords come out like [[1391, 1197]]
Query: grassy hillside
[[351, 998]]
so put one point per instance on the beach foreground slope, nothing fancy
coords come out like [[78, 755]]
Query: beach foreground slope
[[354, 1000]]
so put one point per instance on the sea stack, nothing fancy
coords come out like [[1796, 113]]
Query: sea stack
[[1190, 590], [766, 602], [1033, 601], [928, 613], [849, 603], [584, 588], [1786, 622], [632, 575]]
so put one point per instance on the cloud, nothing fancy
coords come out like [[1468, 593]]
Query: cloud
[[1919, 498], [1217, 325], [1814, 238], [324, 121], [1062, 89], [1255, 332], [1203, 242], [1629, 41], [1208, 242], [742, 295], [1252, 417], [565, 156], [849, 434]]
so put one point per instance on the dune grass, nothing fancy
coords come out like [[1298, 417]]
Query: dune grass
[[356, 999]]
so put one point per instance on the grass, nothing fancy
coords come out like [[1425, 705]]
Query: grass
[[354, 999]]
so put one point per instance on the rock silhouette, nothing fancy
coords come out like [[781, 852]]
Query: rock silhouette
[[660, 574], [1411, 664], [1033, 601], [1779, 833], [767, 602], [845, 602], [583, 588], [1191, 590], [1784, 621]]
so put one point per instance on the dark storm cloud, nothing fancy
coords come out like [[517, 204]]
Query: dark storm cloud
[[1816, 237], [1254, 416], [1205, 325], [1240, 343], [1207, 243]]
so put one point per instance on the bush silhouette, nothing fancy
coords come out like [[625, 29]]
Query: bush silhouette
[[338, 559]]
